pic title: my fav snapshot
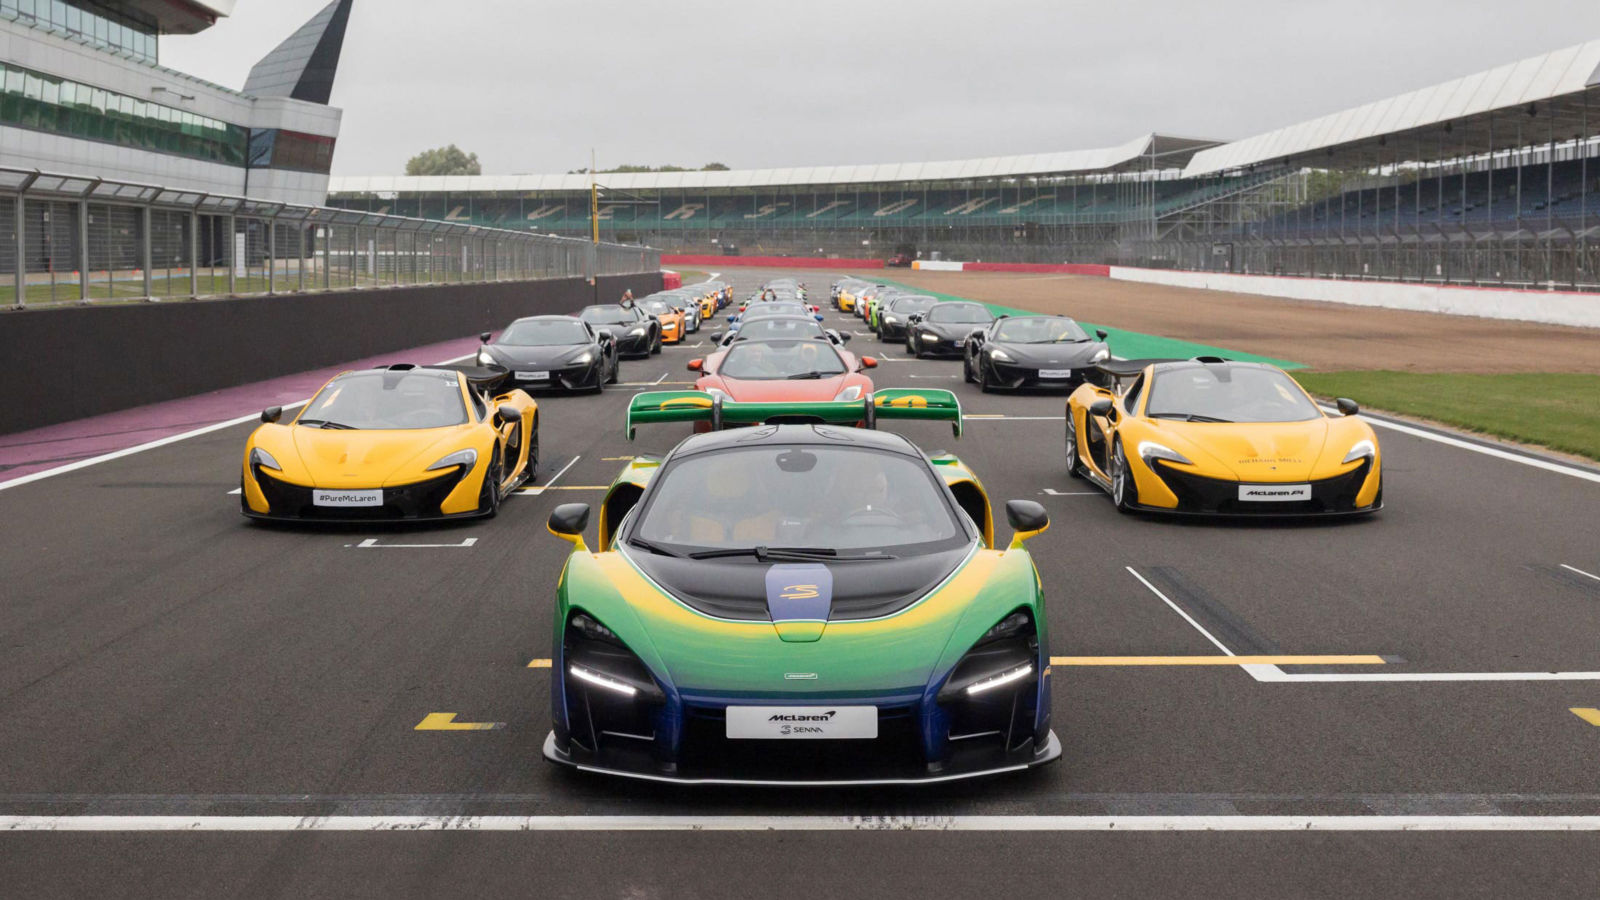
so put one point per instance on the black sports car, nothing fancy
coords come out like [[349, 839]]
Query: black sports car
[[638, 334], [894, 316], [943, 329], [1032, 351], [778, 328], [552, 351]]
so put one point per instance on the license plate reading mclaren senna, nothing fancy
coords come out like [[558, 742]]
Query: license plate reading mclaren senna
[[802, 722], [347, 498], [1275, 493]]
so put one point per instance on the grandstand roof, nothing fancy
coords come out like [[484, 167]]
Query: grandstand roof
[[1165, 151], [1559, 87]]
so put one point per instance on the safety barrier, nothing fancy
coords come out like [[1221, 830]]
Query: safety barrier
[[770, 262]]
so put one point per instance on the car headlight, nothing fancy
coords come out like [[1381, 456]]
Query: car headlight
[[890, 320], [260, 457], [584, 358], [1000, 355], [636, 331], [1101, 355], [1150, 450], [853, 392], [1362, 450], [485, 358], [466, 457]]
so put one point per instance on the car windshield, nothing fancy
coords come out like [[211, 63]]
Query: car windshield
[[658, 307], [1040, 330], [1213, 393], [775, 360], [545, 333], [606, 315], [388, 399], [781, 328], [852, 500], [767, 310], [959, 314], [908, 305]]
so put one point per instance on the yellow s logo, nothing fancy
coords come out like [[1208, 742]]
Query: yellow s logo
[[799, 592]]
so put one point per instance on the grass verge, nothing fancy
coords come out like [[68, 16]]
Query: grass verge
[[1559, 411]]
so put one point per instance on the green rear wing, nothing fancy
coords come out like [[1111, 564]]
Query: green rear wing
[[652, 407]]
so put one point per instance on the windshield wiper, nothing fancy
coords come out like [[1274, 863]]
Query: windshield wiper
[[1188, 417], [324, 423], [813, 374], [653, 548], [787, 554]]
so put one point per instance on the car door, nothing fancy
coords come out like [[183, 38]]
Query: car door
[[1101, 434]]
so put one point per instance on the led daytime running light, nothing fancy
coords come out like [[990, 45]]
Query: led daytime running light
[[601, 681], [1004, 678]]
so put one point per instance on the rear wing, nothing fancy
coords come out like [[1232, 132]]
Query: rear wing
[[1120, 370], [654, 407]]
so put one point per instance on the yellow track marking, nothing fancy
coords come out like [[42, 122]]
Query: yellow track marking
[[1587, 713], [539, 664], [1325, 660], [447, 722], [615, 458]]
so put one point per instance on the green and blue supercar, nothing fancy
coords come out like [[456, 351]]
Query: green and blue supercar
[[799, 601]]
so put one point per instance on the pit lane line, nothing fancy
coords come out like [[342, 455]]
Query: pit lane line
[[1268, 672], [1038, 823], [1477, 447]]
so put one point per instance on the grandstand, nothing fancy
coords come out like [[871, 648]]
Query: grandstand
[[1488, 179]]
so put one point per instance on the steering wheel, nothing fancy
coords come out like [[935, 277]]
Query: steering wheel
[[863, 512]]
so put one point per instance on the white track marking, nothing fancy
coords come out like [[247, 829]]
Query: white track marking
[[539, 489], [1179, 610], [662, 378], [1055, 493], [1373, 823], [235, 492], [1580, 571], [372, 544], [1270, 673], [1547, 465], [993, 417], [162, 442]]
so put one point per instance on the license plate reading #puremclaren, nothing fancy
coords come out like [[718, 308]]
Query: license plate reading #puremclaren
[[1055, 373], [1275, 493], [533, 376], [347, 498], [802, 722]]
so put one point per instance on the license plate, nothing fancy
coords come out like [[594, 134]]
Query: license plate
[[1055, 373], [347, 498], [533, 376], [802, 722], [1274, 493]]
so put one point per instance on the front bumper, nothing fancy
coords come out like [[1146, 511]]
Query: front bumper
[[932, 347], [1198, 495], [570, 378], [415, 501], [634, 345], [1016, 377]]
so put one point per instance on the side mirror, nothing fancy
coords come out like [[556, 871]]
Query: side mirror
[[914, 318], [1028, 519], [505, 414], [568, 521], [1101, 333], [1347, 406], [271, 414], [868, 362], [697, 365], [818, 317], [844, 336], [717, 336], [483, 336], [1101, 407]]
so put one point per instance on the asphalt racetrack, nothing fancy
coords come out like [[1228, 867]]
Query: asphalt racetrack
[[211, 708]]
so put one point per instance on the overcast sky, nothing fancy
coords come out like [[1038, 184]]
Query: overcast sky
[[531, 86]]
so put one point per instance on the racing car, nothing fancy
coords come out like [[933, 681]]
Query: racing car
[[764, 328], [1032, 351], [943, 329], [802, 370], [396, 442], [1217, 437], [671, 319], [553, 352], [799, 603]]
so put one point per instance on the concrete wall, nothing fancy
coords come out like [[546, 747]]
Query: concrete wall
[[1552, 307], [62, 364]]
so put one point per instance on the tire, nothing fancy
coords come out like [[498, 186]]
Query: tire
[[1124, 493], [1074, 466], [489, 495], [533, 449], [983, 379], [616, 371], [655, 344], [966, 371]]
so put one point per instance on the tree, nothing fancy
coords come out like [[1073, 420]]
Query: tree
[[713, 167], [444, 161], [633, 169]]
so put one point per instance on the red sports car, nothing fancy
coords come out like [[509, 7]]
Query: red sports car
[[790, 371]]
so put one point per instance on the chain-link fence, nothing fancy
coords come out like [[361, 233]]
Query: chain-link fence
[[73, 239]]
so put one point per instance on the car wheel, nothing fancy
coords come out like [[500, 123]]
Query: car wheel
[[966, 371], [533, 451], [616, 371], [983, 379], [489, 494], [1072, 446], [1124, 493], [655, 345]]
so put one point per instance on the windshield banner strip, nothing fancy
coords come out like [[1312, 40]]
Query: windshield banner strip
[[652, 407]]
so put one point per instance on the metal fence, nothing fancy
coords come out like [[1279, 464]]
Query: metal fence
[[78, 239]]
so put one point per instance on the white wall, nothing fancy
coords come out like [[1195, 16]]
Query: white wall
[[1551, 307]]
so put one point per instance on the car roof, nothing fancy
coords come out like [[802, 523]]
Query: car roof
[[811, 434], [1208, 362], [550, 317]]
